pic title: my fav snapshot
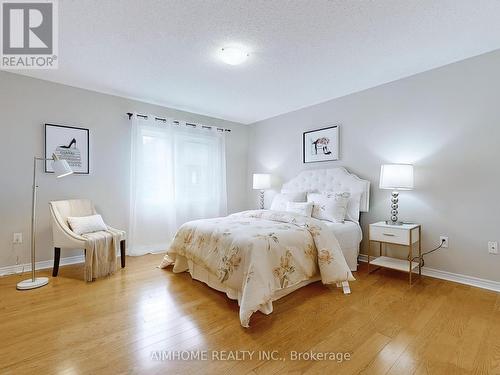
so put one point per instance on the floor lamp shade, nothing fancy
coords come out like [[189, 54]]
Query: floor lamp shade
[[61, 168]]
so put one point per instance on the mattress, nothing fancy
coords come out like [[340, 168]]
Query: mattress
[[349, 235]]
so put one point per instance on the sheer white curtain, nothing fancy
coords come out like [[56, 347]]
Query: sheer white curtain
[[178, 173]]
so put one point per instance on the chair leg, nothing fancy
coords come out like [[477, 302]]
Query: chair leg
[[122, 253], [57, 257]]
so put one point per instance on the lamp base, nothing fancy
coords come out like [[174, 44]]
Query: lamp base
[[390, 222], [261, 199], [394, 209], [30, 284]]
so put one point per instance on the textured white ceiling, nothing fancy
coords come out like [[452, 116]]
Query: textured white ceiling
[[302, 52]]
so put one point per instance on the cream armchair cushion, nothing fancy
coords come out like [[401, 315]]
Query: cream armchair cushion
[[86, 224]]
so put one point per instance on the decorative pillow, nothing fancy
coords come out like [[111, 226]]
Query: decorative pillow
[[280, 200], [332, 207], [86, 224], [302, 208], [352, 207]]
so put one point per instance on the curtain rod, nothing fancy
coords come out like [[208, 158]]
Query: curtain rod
[[130, 114]]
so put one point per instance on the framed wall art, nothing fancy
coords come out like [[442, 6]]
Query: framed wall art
[[321, 144], [68, 143]]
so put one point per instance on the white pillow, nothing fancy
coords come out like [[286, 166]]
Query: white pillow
[[302, 208], [352, 207], [332, 207], [86, 224], [280, 200]]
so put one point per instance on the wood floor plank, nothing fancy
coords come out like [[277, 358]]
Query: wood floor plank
[[392, 352]]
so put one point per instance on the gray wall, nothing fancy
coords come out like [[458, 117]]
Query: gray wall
[[27, 103], [446, 122]]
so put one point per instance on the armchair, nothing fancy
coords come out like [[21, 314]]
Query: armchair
[[64, 237]]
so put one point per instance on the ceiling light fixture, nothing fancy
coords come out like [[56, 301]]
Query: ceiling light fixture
[[233, 55]]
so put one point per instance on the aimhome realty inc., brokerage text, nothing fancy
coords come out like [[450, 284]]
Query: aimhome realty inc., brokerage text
[[247, 355]]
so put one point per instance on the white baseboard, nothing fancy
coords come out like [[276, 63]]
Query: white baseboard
[[426, 271], [450, 276], [10, 270]]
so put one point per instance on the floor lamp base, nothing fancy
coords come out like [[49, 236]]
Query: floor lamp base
[[30, 284]]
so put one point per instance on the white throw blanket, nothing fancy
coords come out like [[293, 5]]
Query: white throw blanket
[[100, 253]]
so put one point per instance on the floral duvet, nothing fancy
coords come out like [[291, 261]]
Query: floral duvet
[[258, 253]]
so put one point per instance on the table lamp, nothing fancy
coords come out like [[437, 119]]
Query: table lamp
[[261, 181], [396, 177]]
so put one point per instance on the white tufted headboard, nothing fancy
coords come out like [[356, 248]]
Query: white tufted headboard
[[334, 179]]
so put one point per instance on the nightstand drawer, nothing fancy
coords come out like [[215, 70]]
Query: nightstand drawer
[[392, 235]]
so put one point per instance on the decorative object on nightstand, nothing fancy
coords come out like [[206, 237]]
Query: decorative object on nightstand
[[61, 169], [404, 235], [261, 181], [396, 177]]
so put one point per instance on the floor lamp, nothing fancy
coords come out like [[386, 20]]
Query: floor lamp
[[61, 169]]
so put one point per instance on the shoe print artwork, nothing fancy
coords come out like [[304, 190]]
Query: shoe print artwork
[[70, 153], [68, 143], [321, 145]]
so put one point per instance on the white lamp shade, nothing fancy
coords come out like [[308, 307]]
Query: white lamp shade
[[61, 168], [261, 181], [396, 176]]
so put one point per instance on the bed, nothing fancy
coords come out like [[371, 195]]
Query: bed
[[349, 235], [259, 256]]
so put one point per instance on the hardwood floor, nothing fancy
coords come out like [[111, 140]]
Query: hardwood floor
[[119, 324]]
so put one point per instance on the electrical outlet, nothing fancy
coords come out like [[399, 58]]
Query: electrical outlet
[[17, 238], [444, 241], [493, 247]]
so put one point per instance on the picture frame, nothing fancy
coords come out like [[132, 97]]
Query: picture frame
[[69, 143], [321, 144]]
